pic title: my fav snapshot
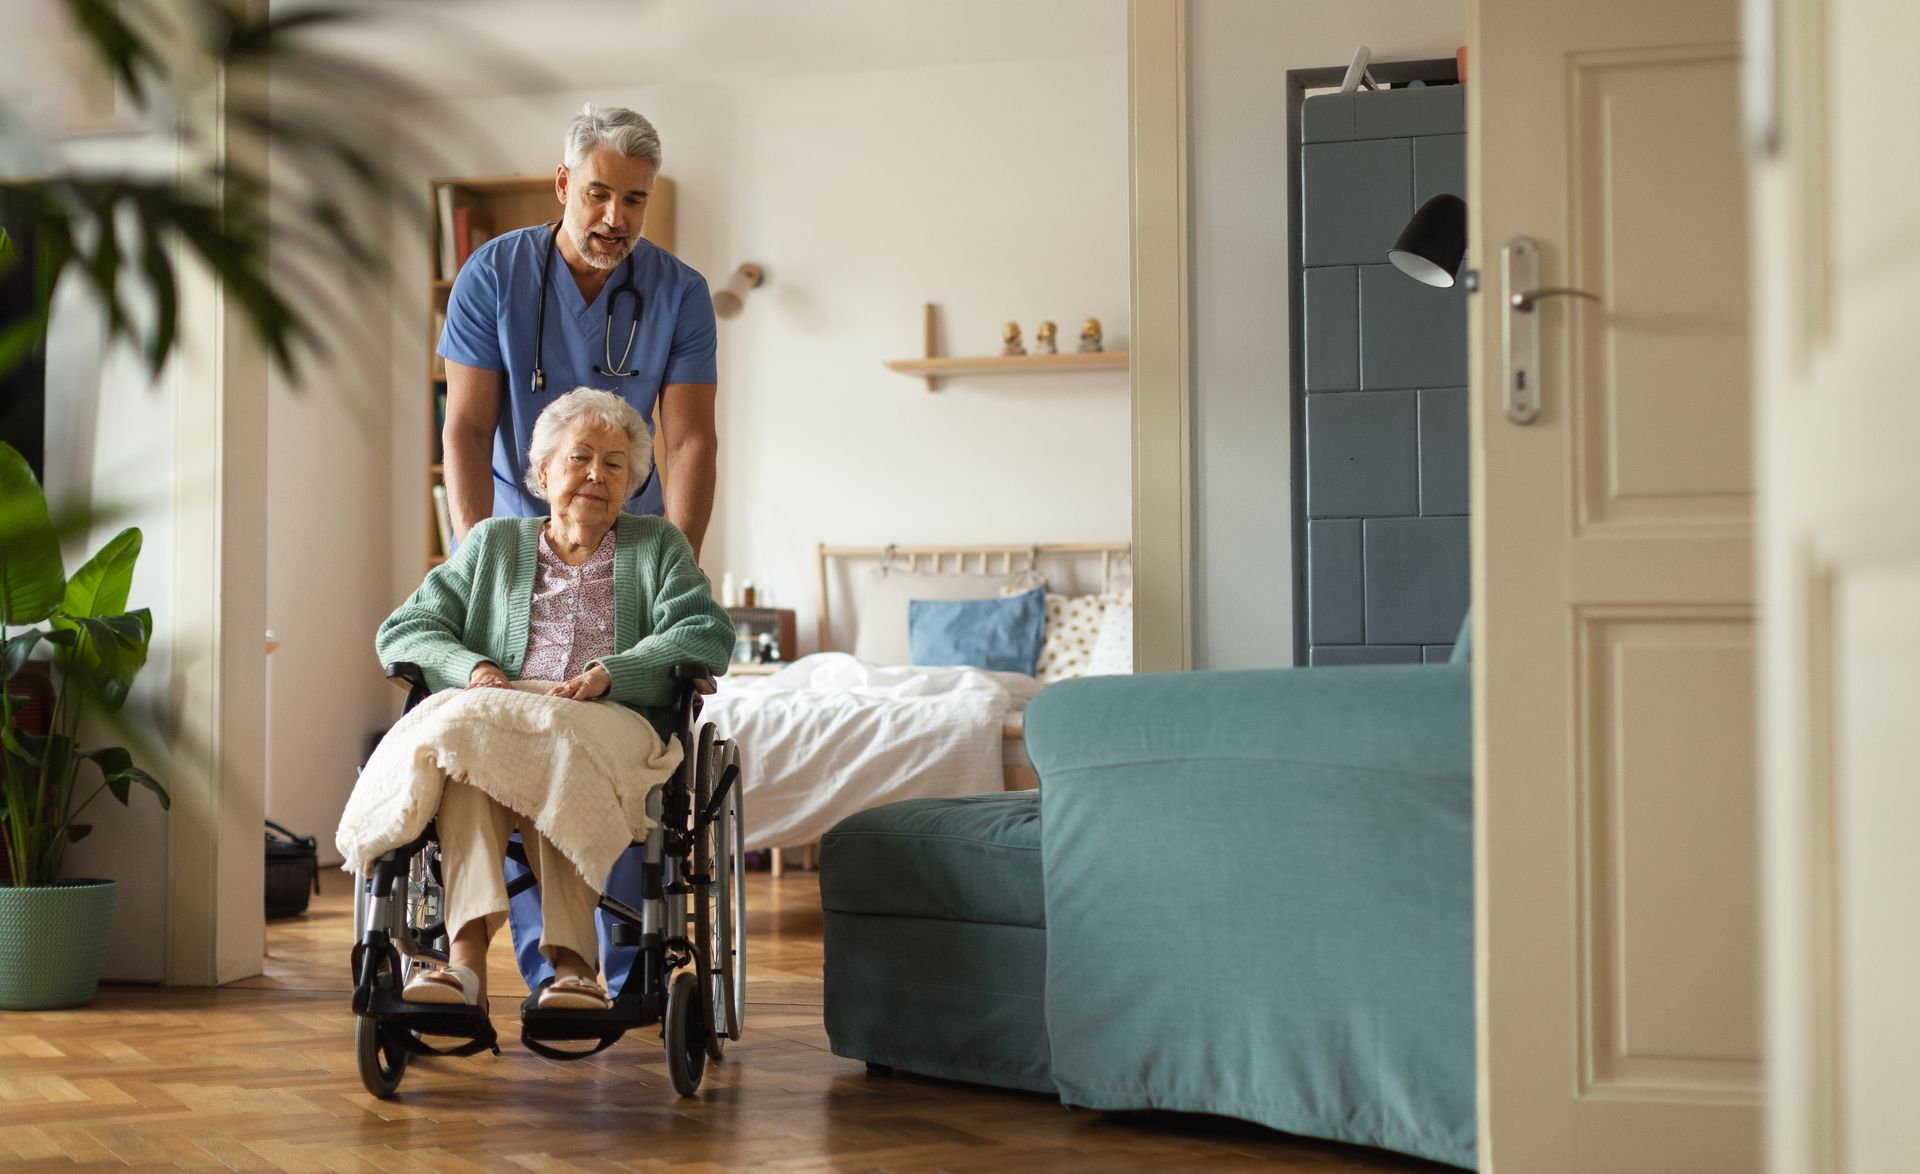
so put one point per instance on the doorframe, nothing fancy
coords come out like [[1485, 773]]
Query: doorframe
[[215, 915], [1161, 346]]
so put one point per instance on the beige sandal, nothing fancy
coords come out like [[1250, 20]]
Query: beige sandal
[[453, 986], [575, 994]]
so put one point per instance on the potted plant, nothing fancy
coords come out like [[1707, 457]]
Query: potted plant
[[53, 931]]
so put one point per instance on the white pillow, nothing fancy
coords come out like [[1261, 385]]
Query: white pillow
[[882, 637], [1113, 650]]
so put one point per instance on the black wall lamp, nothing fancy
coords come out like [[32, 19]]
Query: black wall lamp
[[1433, 244]]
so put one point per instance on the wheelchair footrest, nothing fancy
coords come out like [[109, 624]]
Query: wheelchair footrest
[[407, 1021], [541, 1026]]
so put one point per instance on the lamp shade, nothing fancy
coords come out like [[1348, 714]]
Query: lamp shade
[[1434, 242]]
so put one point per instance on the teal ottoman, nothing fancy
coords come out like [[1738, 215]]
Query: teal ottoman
[[936, 939]]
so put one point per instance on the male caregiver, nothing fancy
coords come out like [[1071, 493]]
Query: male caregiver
[[538, 312]]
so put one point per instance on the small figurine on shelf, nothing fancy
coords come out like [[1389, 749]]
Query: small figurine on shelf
[[1010, 340], [1090, 337], [1043, 343]]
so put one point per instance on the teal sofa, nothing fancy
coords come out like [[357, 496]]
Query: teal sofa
[[1247, 894]]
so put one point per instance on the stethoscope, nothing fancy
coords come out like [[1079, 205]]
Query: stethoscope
[[539, 380]]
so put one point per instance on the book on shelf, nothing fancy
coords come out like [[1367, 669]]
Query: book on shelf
[[471, 229], [462, 225], [439, 364], [443, 200], [444, 516]]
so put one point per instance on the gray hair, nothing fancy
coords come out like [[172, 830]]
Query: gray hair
[[611, 126], [586, 404]]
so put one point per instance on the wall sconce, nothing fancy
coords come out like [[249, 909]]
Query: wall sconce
[[730, 298], [1434, 242]]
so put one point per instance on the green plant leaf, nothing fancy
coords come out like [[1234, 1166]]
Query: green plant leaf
[[15, 652], [110, 654], [111, 760], [77, 832], [31, 575], [100, 587], [29, 748], [135, 774], [114, 763]]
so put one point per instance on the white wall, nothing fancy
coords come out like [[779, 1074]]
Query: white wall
[[997, 191], [329, 572], [1241, 51], [110, 441]]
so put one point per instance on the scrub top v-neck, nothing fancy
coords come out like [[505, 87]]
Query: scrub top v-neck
[[491, 313]]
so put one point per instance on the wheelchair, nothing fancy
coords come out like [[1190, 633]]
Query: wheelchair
[[689, 976]]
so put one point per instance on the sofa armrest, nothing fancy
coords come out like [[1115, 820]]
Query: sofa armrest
[[1259, 897], [1413, 719]]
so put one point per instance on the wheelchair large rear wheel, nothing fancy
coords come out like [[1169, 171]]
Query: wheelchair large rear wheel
[[730, 888], [686, 1034], [718, 911], [382, 1061]]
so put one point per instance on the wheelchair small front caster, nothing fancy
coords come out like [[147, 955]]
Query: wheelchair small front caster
[[686, 1034], [382, 1062]]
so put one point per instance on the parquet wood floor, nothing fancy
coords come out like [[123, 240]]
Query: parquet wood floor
[[260, 1075]]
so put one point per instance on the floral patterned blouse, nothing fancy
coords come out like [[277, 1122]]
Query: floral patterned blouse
[[571, 622]]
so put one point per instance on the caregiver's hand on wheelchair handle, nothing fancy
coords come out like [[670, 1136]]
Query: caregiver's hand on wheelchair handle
[[488, 675], [585, 687]]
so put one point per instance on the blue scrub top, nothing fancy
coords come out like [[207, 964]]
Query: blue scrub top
[[490, 323]]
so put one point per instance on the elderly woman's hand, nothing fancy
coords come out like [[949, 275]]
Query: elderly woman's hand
[[488, 675], [585, 687]]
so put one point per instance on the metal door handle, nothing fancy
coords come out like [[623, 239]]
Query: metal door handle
[[1526, 299], [1520, 326]]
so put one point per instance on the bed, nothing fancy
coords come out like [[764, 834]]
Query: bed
[[853, 725]]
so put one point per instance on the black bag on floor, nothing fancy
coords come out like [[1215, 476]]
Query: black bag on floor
[[293, 871]]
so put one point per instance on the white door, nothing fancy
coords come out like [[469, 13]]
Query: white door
[[1837, 250], [1616, 795]]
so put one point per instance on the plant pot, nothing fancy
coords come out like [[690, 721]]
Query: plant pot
[[53, 939]]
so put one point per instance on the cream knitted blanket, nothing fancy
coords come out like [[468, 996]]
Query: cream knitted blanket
[[580, 771]]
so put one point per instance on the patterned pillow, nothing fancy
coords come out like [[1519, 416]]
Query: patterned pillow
[[1113, 651], [1073, 627]]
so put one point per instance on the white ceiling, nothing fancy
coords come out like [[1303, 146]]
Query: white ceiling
[[459, 48]]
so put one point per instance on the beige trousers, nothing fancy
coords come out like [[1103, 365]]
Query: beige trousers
[[473, 828]]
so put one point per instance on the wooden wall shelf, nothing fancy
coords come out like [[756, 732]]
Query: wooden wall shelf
[[933, 366]]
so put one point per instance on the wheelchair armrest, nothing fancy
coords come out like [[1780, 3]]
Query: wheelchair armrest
[[695, 674], [406, 673], [412, 678]]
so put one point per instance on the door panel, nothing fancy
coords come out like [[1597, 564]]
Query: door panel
[[1617, 800]]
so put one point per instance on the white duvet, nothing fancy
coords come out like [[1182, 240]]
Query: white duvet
[[831, 735]]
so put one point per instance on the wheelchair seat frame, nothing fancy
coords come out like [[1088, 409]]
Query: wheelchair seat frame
[[689, 976]]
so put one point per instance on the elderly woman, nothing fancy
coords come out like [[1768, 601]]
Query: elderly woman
[[598, 602]]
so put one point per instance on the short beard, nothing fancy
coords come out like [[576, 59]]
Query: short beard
[[583, 244]]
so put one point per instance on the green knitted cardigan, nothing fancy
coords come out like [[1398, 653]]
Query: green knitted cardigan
[[474, 607]]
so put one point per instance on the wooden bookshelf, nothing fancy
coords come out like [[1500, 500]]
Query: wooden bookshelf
[[501, 203]]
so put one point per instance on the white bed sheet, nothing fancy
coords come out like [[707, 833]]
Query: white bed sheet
[[830, 735]]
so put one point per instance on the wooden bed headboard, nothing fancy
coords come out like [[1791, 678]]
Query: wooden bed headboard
[[1004, 559]]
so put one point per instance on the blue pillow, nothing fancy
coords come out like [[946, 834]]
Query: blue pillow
[[999, 634]]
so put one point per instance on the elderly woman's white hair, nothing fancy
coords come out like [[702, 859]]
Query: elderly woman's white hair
[[587, 404]]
